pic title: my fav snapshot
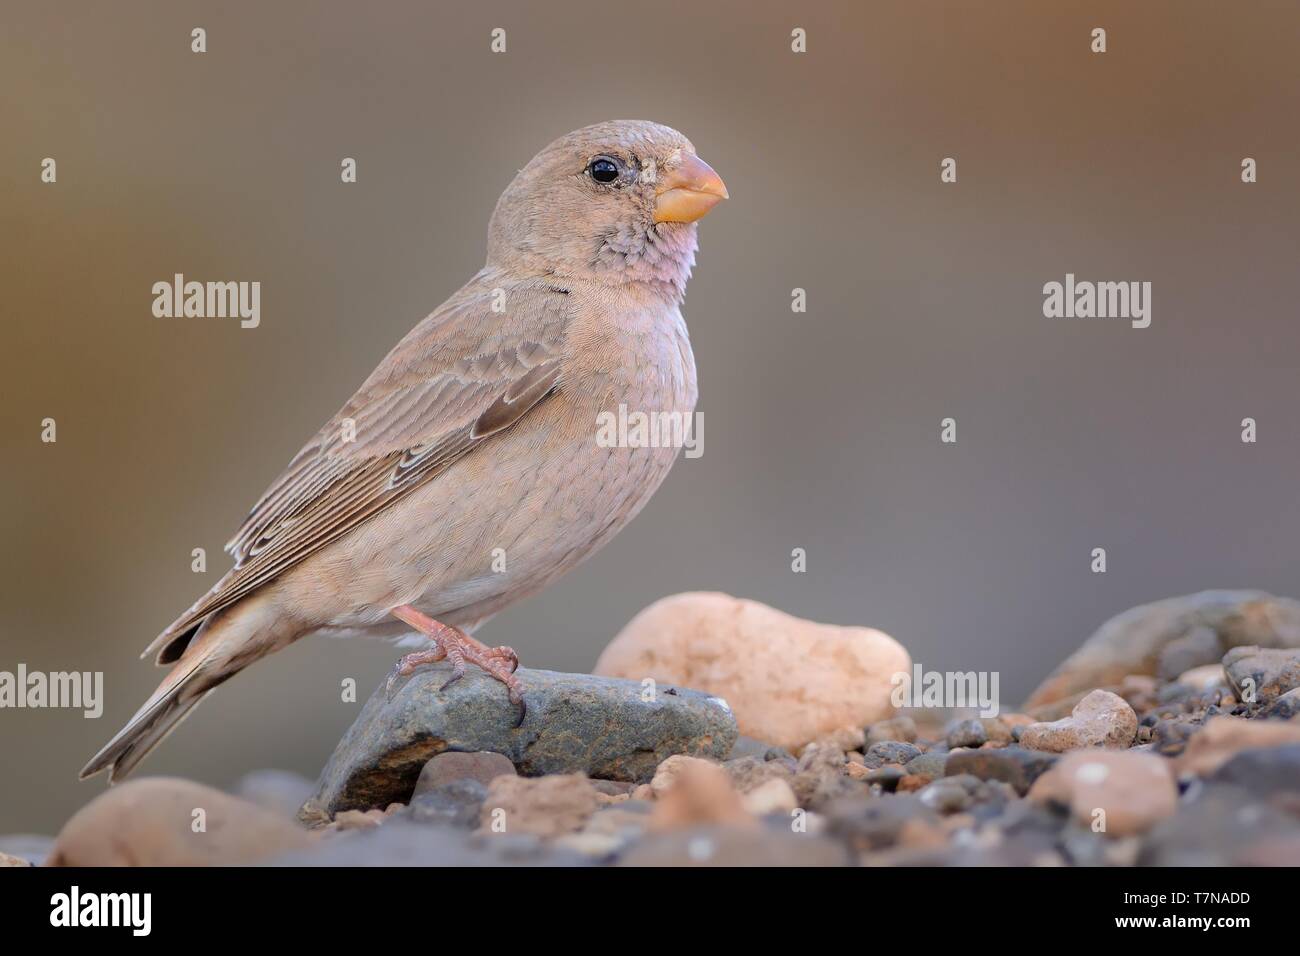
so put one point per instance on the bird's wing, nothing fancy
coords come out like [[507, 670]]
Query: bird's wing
[[463, 374]]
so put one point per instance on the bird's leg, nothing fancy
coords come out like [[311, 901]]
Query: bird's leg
[[455, 645]]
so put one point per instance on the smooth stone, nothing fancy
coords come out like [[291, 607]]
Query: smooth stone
[[715, 845], [775, 796], [997, 731], [1286, 707], [1264, 772], [1222, 738], [150, 821], [699, 792], [822, 777], [541, 806], [1101, 719], [894, 751], [929, 764], [887, 777], [1132, 642], [576, 723], [1204, 678], [403, 843], [280, 791], [947, 795], [1220, 825], [868, 824], [901, 728], [750, 773], [33, 848], [457, 803], [1125, 792], [666, 773], [1261, 675], [789, 681], [1169, 736], [1015, 766], [750, 747], [1199, 647], [482, 767], [966, 733]]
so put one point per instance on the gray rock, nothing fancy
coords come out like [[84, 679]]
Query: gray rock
[[966, 733], [29, 846], [280, 791], [751, 747], [821, 778], [1132, 642], [456, 765], [1011, 765], [749, 773], [1264, 772], [875, 823], [887, 777], [953, 794], [457, 803], [734, 846], [1169, 736], [901, 728], [893, 751], [1083, 847], [1222, 825], [1196, 648], [929, 764], [947, 795], [1286, 707], [402, 843], [613, 788], [576, 723], [1261, 675], [1037, 823]]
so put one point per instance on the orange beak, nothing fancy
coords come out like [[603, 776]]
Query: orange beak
[[687, 192]]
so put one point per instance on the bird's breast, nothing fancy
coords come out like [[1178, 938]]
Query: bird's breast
[[626, 351]]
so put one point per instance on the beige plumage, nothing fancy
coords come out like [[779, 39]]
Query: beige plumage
[[477, 432]]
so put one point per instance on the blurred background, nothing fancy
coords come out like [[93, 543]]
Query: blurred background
[[822, 429]]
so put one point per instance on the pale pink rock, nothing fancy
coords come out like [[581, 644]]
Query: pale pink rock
[[666, 773], [1223, 737], [1101, 719], [1116, 792], [543, 806], [1204, 678], [165, 821], [775, 796], [787, 680]]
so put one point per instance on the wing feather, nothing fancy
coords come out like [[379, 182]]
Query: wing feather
[[461, 376]]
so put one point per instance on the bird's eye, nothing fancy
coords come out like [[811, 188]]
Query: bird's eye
[[603, 169]]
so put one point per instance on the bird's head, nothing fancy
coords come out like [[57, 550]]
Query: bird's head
[[616, 202]]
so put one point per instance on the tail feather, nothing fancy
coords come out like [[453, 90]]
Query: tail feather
[[160, 715], [205, 656]]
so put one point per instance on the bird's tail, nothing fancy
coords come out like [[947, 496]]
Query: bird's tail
[[224, 645]]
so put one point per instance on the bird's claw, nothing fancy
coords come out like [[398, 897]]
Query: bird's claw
[[457, 672], [395, 678], [458, 648]]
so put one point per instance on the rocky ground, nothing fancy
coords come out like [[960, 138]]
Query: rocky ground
[[1169, 738]]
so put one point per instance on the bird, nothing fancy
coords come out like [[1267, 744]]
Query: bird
[[465, 473]]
